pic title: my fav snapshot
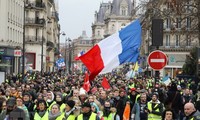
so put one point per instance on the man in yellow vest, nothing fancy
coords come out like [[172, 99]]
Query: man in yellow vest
[[155, 108], [68, 112], [190, 112], [87, 113]]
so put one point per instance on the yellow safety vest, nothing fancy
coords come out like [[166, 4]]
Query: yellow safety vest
[[132, 85], [110, 117], [136, 98], [37, 117], [150, 115], [62, 107], [92, 116], [195, 117], [71, 117], [49, 106]]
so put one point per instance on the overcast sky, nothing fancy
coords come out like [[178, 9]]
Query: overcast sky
[[76, 16]]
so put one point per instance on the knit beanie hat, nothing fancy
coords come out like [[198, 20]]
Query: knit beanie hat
[[70, 103], [86, 104]]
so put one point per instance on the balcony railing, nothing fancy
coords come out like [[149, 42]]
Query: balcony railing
[[34, 39], [55, 15], [40, 5], [35, 21], [35, 5], [51, 1]]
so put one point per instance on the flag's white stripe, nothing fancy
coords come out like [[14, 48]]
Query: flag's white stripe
[[110, 51], [157, 60]]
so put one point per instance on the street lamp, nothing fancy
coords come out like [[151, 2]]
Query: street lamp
[[63, 34], [42, 52], [23, 43], [24, 40], [42, 45]]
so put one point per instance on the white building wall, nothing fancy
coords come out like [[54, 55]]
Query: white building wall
[[36, 48]]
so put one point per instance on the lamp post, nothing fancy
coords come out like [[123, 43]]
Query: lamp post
[[68, 41], [42, 53], [42, 45], [23, 43], [61, 33]]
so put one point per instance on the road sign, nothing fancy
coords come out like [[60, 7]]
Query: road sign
[[157, 60]]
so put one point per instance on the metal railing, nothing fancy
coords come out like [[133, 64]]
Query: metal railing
[[34, 39], [34, 21]]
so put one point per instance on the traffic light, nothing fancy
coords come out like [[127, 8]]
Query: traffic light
[[157, 32]]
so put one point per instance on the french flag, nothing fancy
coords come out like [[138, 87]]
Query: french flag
[[121, 47], [81, 53]]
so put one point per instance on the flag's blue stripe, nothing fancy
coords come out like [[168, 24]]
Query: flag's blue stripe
[[131, 40]]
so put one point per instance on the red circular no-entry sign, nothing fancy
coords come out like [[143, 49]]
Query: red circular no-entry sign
[[157, 60]]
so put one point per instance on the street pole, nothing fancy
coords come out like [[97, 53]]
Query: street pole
[[61, 33], [65, 55], [23, 44], [69, 60], [42, 52]]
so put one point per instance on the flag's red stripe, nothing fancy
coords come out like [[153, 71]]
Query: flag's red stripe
[[93, 61]]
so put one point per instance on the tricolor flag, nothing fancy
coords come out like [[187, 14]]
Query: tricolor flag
[[119, 48], [81, 53]]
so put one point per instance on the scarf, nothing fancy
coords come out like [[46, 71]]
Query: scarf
[[54, 116], [41, 113], [69, 112]]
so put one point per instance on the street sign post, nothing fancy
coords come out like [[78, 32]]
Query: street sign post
[[157, 60]]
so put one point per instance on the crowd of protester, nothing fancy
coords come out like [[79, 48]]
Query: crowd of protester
[[56, 96]]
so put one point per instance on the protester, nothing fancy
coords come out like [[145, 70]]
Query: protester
[[168, 114], [59, 100], [39, 90], [174, 99], [87, 113], [21, 105], [190, 112], [69, 110], [41, 110], [12, 112], [2, 107], [50, 99], [121, 103], [140, 110], [155, 108], [54, 113]]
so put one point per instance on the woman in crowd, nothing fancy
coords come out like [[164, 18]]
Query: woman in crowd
[[41, 112], [55, 114], [168, 114]]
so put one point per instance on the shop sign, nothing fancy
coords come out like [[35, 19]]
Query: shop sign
[[17, 53]]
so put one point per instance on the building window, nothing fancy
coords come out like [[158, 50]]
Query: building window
[[188, 40], [168, 23], [167, 40], [113, 28], [188, 22], [123, 11], [168, 5], [178, 22], [98, 33], [177, 44]]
